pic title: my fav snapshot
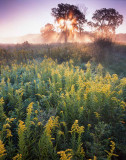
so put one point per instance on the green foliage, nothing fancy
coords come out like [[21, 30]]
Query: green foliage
[[51, 110]]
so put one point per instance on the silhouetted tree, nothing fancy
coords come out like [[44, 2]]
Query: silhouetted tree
[[47, 32], [106, 21], [68, 13]]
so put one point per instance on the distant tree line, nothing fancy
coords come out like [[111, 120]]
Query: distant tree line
[[71, 20]]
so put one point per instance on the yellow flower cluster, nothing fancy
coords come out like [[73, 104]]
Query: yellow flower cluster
[[1, 101], [120, 92], [6, 125], [36, 119], [8, 133], [114, 78], [76, 129], [66, 155], [18, 157], [110, 153], [82, 151], [36, 111], [52, 122], [97, 114], [39, 76], [88, 65], [60, 132], [29, 109], [32, 123], [95, 158], [21, 127], [89, 125], [7, 130], [19, 92], [115, 99], [123, 82], [39, 124], [2, 149], [10, 120], [123, 105]]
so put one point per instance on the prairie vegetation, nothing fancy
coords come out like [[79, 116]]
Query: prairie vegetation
[[111, 55], [62, 106]]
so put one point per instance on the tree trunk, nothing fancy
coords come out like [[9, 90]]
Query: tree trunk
[[65, 36]]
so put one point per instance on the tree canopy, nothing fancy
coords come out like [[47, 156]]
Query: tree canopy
[[47, 32], [106, 21], [69, 17]]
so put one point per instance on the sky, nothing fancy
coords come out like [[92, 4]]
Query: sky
[[21, 17]]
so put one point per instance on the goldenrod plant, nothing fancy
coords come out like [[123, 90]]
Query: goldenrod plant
[[21, 135], [2, 150], [111, 152], [65, 155], [61, 111]]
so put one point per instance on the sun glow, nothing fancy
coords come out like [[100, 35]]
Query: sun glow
[[69, 27], [67, 24]]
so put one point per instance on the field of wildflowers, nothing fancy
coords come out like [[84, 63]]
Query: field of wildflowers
[[52, 111]]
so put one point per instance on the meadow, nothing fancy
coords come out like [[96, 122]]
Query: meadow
[[63, 102]]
